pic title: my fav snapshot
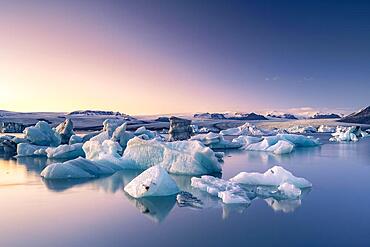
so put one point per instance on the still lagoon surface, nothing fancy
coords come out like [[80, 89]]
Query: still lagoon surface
[[335, 212]]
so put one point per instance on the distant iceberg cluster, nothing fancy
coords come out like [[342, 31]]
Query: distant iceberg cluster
[[348, 134]]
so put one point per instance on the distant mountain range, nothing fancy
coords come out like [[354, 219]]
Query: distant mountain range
[[361, 117], [229, 116]]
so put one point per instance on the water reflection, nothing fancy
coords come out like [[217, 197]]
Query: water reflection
[[158, 208]]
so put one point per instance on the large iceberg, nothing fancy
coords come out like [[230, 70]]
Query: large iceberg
[[122, 136], [347, 134], [179, 157], [65, 151], [26, 149], [77, 168], [246, 129], [154, 181], [42, 134], [216, 141], [274, 176]]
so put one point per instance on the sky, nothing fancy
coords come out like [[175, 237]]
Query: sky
[[152, 57]]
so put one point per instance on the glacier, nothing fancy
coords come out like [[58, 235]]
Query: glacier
[[154, 181]]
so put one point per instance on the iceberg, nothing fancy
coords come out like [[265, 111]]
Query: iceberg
[[246, 140], [326, 129], [65, 130], [274, 176], [122, 136], [229, 192], [348, 134], [42, 134], [77, 168], [26, 149], [143, 131], [216, 141], [96, 150], [110, 125], [246, 129], [154, 181], [65, 151], [299, 140], [302, 129], [289, 190], [75, 139], [179, 157], [281, 147]]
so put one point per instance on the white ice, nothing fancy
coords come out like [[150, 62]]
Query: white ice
[[65, 151], [326, 129], [246, 129], [274, 176], [42, 134], [27, 149], [348, 134], [216, 141], [154, 181], [179, 157], [302, 129]]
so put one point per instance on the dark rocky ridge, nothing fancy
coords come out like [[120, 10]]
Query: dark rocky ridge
[[360, 117]]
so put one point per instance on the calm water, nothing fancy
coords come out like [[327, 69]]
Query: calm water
[[336, 212]]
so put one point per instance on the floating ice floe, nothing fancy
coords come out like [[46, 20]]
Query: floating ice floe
[[281, 143], [65, 151], [302, 129], [347, 134], [274, 176], [77, 168], [42, 134], [246, 129], [27, 149], [154, 181], [229, 192], [179, 157], [326, 129], [216, 141]]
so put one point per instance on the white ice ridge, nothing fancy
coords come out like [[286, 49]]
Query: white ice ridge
[[278, 144], [347, 134], [246, 129], [154, 181], [77, 168], [229, 192], [326, 129], [276, 183], [179, 157], [42, 134], [274, 176], [65, 151], [216, 141]]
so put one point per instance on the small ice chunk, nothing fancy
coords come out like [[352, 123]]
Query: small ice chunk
[[289, 190], [228, 197], [75, 139], [65, 151], [274, 176], [154, 181], [26, 149], [281, 147]]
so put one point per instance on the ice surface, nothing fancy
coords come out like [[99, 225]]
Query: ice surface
[[228, 197], [326, 129], [109, 125], [75, 139], [299, 140], [274, 176], [216, 141], [281, 147], [42, 134], [347, 134], [302, 129], [246, 129], [122, 136], [229, 192], [143, 131], [77, 168], [26, 149], [154, 181], [289, 190], [65, 151], [65, 130], [246, 140], [96, 150], [179, 157]]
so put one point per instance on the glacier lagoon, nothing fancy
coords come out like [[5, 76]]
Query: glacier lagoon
[[99, 213]]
